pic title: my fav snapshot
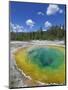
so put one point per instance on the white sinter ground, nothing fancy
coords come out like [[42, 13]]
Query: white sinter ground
[[17, 79]]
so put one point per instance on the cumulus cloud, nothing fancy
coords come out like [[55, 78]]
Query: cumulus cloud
[[12, 27], [40, 13], [44, 30], [60, 11], [16, 28], [30, 23], [19, 28], [52, 9], [47, 24]]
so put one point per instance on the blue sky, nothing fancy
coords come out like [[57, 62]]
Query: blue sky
[[28, 17]]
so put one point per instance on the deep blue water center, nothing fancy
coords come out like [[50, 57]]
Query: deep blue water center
[[46, 57]]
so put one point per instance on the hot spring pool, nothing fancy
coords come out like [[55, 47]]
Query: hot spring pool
[[42, 63]]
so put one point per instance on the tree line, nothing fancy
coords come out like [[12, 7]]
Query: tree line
[[52, 33]]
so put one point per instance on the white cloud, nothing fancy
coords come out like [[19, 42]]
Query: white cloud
[[47, 24], [44, 30], [60, 11], [30, 23], [12, 27], [52, 9], [16, 28], [19, 28], [40, 13]]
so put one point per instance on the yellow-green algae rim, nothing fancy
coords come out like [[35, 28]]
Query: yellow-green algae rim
[[16, 50]]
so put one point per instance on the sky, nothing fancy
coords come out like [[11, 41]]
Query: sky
[[28, 17]]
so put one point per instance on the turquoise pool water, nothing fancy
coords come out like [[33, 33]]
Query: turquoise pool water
[[46, 57]]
